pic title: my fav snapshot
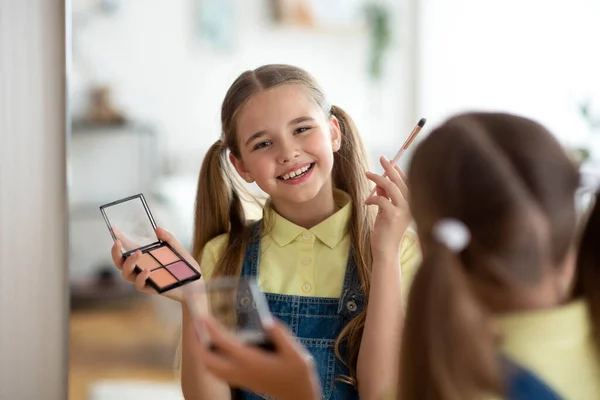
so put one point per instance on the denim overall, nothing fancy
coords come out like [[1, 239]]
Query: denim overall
[[522, 384], [315, 321]]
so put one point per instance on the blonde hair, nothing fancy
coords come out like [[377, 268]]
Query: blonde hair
[[219, 203]]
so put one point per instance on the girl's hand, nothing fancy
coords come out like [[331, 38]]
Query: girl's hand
[[393, 218], [288, 373], [127, 267]]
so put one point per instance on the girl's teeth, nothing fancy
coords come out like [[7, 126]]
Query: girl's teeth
[[295, 173]]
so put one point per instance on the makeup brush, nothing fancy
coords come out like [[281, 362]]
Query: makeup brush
[[407, 143]]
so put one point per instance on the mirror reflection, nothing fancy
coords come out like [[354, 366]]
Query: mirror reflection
[[146, 84]]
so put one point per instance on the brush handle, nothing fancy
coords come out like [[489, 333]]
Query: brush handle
[[407, 143], [394, 162]]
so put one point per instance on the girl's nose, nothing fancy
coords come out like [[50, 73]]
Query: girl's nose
[[287, 154]]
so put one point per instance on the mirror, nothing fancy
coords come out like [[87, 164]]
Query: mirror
[[146, 84], [130, 221]]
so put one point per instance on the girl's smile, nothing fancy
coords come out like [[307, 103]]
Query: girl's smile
[[297, 174]]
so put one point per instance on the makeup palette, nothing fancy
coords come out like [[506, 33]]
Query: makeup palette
[[130, 221]]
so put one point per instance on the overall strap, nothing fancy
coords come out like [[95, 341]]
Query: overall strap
[[252, 254], [352, 297], [523, 384]]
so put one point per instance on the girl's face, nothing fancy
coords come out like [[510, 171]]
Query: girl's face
[[286, 144]]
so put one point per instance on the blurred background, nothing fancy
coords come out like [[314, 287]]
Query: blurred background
[[147, 78]]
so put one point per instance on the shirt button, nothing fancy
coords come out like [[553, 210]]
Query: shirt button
[[306, 288], [306, 235], [306, 260]]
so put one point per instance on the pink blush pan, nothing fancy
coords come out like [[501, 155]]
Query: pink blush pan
[[181, 270]]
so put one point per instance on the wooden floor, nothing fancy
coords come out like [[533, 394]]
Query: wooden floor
[[119, 343]]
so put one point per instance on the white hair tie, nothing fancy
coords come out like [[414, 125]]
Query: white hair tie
[[452, 233], [589, 181]]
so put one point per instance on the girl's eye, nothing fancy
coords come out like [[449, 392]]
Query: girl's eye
[[261, 145], [302, 129]]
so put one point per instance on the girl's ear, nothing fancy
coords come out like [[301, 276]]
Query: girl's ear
[[336, 133], [240, 168]]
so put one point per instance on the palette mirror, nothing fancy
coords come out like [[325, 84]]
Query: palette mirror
[[130, 221]]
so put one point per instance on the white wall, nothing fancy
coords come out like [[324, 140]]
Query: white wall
[[33, 237], [161, 72], [535, 57]]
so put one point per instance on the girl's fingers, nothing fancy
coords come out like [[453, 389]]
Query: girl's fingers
[[395, 174], [401, 173], [391, 171], [231, 346], [284, 341], [117, 257], [388, 186], [128, 270], [402, 185], [384, 204], [280, 337], [233, 357], [127, 244], [140, 282], [227, 344]]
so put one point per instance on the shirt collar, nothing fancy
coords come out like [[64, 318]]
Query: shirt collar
[[331, 231], [556, 324]]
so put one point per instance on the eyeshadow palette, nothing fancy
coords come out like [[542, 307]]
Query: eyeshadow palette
[[131, 221]]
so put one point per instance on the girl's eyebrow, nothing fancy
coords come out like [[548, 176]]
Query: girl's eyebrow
[[300, 119], [255, 136]]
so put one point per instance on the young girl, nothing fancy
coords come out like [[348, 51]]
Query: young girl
[[499, 306], [509, 303], [330, 268]]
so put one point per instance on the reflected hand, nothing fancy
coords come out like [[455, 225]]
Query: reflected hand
[[126, 243], [288, 373]]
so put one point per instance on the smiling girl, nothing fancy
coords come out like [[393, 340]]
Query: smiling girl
[[331, 267]]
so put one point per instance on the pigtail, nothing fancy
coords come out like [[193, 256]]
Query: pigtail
[[448, 349], [211, 214], [213, 199], [220, 209], [588, 266], [350, 164]]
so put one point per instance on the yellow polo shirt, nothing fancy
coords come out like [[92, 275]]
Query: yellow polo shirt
[[558, 346], [309, 262]]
